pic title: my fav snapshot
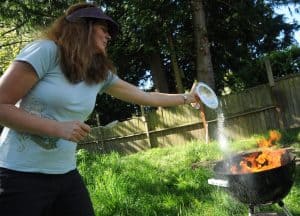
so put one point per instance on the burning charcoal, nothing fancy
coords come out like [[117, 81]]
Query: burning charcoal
[[258, 177], [262, 160]]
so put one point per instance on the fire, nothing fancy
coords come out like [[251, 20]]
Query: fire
[[266, 159], [274, 137]]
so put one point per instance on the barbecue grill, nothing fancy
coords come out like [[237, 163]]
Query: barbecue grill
[[256, 188]]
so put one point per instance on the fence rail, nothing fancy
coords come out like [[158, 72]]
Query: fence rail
[[252, 111]]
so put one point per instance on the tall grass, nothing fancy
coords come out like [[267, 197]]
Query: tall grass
[[163, 182]]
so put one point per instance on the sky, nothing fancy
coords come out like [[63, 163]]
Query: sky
[[290, 16]]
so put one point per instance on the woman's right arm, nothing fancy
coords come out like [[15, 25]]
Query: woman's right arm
[[15, 83]]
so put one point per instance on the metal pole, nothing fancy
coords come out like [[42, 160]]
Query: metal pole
[[286, 211], [251, 210]]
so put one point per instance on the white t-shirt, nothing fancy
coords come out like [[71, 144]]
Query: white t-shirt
[[53, 97]]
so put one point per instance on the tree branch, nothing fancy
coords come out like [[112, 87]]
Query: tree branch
[[13, 29], [13, 43]]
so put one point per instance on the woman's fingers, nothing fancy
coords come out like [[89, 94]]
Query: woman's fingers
[[81, 131], [85, 127], [195, 104], [75, 130]]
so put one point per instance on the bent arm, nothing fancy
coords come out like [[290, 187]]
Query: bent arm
[[130, 93], [15, 83]]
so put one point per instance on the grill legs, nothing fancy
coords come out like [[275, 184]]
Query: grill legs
[[280, 203], [286, 211], [251, 210]]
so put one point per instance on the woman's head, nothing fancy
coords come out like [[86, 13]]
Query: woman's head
[[90, 12], [82, 34], [100, 35]]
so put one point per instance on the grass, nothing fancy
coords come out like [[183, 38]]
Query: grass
[[162, 181]]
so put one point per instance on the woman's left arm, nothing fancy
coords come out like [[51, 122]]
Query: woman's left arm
[[130, 93]]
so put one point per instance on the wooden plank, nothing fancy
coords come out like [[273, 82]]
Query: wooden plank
[[258, 122], [287, 109], [243, 102], [293, 102], [233, 103], [251, 121], [271, 120], [297, 100], [297, 97], [263, 121]]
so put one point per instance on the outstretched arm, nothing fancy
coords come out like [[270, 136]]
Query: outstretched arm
[[130, 93]]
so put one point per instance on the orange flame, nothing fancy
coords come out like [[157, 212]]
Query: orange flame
[[274, 137], [264, 160]]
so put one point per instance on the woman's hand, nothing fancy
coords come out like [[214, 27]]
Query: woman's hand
[[196, 104], [73, 131]]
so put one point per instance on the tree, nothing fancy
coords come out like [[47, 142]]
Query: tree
[[20, 21], [241, 32], [204, 66]]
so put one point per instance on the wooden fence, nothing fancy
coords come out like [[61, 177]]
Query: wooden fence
[[252, 111]]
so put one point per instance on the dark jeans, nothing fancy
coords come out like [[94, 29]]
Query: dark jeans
[[35, 194]]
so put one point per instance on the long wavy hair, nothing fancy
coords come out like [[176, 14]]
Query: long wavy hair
[[79, 59]]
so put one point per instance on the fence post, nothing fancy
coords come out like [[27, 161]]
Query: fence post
[[269, 71], [99, 140], [275, 94], [205, 124], [144, 119]]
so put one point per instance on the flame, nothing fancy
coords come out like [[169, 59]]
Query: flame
[[274, 137], [266, 159]]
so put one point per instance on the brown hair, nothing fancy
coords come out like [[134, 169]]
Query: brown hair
[[78, 57]]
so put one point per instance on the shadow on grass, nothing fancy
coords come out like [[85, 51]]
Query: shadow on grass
[[169, 192], [152, 190]]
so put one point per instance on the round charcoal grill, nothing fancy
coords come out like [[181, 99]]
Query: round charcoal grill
[[258, 188]]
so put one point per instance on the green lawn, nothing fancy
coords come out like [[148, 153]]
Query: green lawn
[[166, 181]]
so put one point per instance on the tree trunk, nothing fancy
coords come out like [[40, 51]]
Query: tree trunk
[[176, 69], [159, 77], [203, 57]]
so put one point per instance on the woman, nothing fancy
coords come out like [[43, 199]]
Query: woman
[[46, 94]]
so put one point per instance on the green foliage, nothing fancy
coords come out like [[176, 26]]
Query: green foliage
[[11, 42], [286, 61], [252, 31], [283, 62], [19, 23], [32, 13]]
